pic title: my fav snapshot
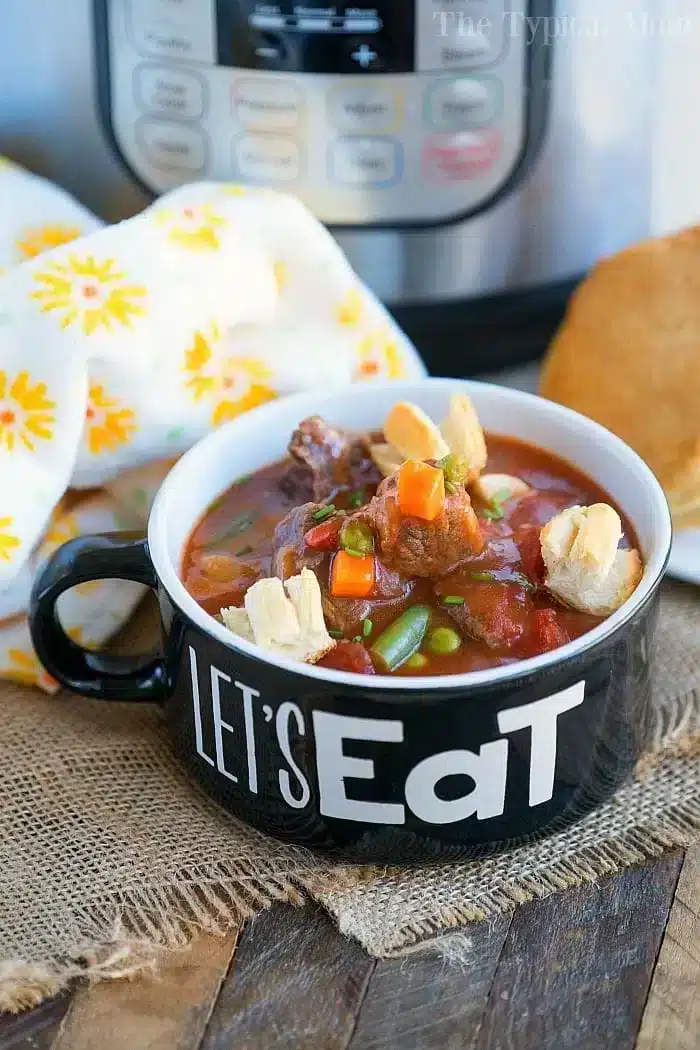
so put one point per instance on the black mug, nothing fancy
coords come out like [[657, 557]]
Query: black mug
[[378, 768]]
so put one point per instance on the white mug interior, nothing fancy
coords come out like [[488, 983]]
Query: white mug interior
[[260, 437]]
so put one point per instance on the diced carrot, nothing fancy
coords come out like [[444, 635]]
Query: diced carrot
[[352, 577], [421, 490], [324, 537]]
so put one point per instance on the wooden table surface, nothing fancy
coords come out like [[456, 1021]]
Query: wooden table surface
[[615, 966]]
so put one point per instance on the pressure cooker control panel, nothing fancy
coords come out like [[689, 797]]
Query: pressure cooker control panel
[[403, 111]]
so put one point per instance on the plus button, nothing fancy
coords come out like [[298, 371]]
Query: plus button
[[364, 56]]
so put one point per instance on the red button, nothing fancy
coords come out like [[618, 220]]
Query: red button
[[458, 158]]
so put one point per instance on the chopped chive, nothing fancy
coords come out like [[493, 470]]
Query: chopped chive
[[485, 577], [244, 479], [524, 581], [355, 553], [367, 626], [324, 512], [502, 496], [244, 550], [336, 634], [232, 528], [357, 638], [356, 499], [492, 513], [450, 487], [453, 599]]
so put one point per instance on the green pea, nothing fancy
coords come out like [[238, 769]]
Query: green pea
[[443, 640], [417, 662], [357, 537]]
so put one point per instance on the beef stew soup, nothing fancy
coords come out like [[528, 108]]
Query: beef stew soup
[[425, 564]]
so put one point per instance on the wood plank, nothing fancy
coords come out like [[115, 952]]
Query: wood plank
[[429, 1000], [168, 1011], [672, 1016], [296, 984], [576, 967], [36, 1029]]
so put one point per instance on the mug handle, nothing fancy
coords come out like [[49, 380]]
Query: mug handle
[[115, 555]]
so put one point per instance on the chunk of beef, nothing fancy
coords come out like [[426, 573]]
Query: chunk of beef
[[289, 551], [494, 613], [347, 614], [290, 554], [418, 548], [325, 454]]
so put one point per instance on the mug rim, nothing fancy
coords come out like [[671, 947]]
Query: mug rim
[[216, 442]]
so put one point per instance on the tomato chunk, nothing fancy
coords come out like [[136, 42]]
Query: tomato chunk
[[348, 656], [550, 633], [324, 537], [527, 539]]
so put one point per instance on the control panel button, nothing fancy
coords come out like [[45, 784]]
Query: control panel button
[[266, 103], [169, 145], [179, 29], [169, 92], [460, 158], [366, 161], [363, 55], [269, 52], [465, 34], [464, 102], [368, 107], [266, 158]]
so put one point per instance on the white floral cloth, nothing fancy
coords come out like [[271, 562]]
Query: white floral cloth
[[120, 346]]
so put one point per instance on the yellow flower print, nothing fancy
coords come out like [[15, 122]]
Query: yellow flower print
[[25, 669], [25, 412], [379, 357], [8, 541], [349, 311], [40, 238], [193, 226], [62, 527], [108, 424], [232, 384], [89, 293]]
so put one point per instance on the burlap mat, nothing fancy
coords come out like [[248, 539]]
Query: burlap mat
[[109, 854]]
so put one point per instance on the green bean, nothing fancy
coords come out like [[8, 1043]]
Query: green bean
[[443, 640], [357, 537], [401, 639]]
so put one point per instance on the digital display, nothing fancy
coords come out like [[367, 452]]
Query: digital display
[[316, 37]]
